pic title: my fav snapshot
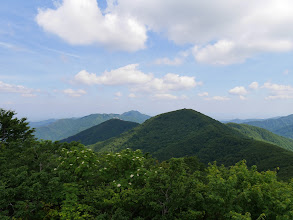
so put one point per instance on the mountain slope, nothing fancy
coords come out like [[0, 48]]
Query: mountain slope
[[101, 132], [64, 128], [277, 126], [261, 134], [187, 132], [286, 131]]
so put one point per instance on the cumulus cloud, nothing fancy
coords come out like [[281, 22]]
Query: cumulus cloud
[[253, 85], [125, 75], [219, 98], [136, 80], [222, 36], [74, 93], [166, 96], [278, 91], [203, 94], [238, 90], [118, 94], [132, 95], [10, 88], [81, 22], [166, 61]]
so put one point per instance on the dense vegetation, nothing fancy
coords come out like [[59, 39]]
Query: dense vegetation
[[263, 135], [188, 133], [54, 180], [282, 126], [101, 132], [64, 128]]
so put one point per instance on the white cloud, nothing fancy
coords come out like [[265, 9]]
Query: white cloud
[[238, 90], [81, 22], [10, 88], [254, 85], [125, 75], [221, 35], [203, 94], [118, 94], [132, 77], [242, 97], [286, 72], [278, 91], [74, 93], [165, 96], [132, 95], [219, 98], [166, 61]]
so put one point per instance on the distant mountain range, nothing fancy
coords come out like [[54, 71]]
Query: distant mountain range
[[282, 126], [101, 132], [63, 128], [262, 134], [187, 132]]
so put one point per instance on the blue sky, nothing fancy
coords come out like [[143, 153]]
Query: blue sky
[[69, 58]]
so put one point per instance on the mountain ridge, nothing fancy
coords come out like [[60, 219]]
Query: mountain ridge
[[189, 133], [64, 128]]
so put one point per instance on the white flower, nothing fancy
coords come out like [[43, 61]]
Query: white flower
[[118, 185], [138, 169], [156, 172], [82, 162], [131, 175], [129, 183], [119, 155], [105, 168], [71, 164], [113, 181], [77, 158], [137, 157], [137, 174], [55, 168]]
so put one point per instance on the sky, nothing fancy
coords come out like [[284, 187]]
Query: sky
[[70, 58]]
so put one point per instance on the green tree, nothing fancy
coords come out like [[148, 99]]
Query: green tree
[[12, 128]]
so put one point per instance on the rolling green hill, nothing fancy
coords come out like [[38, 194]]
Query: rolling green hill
[[282, 126], [187, 132], [101, 132], [263, 135], [286, 131], [64, 128]]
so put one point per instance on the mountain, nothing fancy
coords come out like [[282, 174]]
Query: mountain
[[262, 134], [64, 128], [282, 126], [41, 123], [101, 132], [187, 132]]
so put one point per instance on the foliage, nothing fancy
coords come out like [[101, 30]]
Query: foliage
[[12, 128], [68, 181], [101, 132]]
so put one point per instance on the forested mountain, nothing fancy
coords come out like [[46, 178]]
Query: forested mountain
[[282, 126], [101, 132], [41, 123], [187, 132], [54, 180], [64, 128], [262, 134]]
